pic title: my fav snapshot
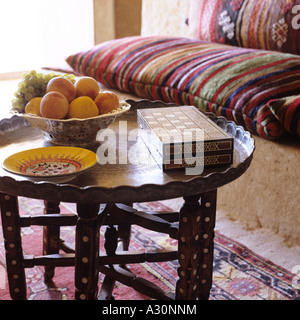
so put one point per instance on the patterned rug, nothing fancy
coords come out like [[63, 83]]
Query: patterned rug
[[239, 273]]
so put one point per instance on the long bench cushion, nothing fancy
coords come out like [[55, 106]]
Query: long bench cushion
[[238, 83]]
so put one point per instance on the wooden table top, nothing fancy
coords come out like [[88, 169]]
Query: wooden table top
[[131, 182]]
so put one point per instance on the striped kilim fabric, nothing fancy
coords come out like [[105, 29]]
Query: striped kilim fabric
[[258, 24], [234, 82], [287, 112]]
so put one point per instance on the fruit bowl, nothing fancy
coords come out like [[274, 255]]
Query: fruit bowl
[[74, 132]]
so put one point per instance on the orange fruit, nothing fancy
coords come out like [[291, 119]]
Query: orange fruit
[[82, 108], [87, 86], [62, 85], [33, 106], [54, 105], [106, 102]]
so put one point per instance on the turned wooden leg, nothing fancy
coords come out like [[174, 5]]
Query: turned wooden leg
[[13, 246], [124, 230], [111, 240], [205, 271], [50, 239], [124, 235], [87, 252]]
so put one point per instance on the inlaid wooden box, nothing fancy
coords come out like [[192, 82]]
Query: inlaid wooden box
[[183, 136]]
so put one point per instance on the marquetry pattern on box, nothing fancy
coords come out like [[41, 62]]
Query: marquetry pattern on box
[[167, 129]]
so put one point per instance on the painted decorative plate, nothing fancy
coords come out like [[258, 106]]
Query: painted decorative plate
[[58, 164]]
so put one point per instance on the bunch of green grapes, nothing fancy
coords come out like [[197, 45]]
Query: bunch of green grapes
[[34, 85]]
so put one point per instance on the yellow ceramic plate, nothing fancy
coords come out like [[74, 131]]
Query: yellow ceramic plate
[[55, 163]]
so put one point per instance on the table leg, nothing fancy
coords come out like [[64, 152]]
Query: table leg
[[188, 257], [195, 246], [110, 244], [86, 252], [124, 230], [51, 236], [13, 246], [205, 271]]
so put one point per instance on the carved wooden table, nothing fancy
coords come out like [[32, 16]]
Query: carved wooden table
[[103, 196]]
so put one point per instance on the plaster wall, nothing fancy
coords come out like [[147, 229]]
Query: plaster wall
[[165, 17], [116, 19]]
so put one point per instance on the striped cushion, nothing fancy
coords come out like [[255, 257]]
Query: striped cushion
[[234, 82], [287, 111], [258, 24]]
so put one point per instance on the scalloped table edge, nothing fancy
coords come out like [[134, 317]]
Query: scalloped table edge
[[68, 192]]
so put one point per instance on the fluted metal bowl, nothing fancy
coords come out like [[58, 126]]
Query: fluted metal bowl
[[74, 132]]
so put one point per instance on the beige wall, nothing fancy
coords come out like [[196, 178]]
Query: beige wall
[[116, 19], [165, 17], [121, 18], [104, 20]]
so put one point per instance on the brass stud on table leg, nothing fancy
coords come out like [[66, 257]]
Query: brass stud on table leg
[[188, 235], [205, 269]]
